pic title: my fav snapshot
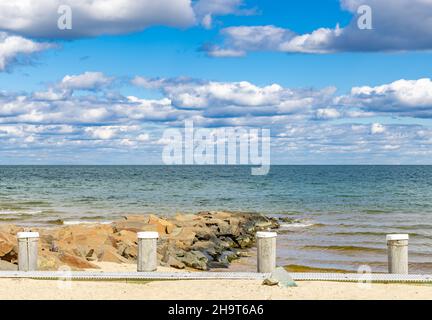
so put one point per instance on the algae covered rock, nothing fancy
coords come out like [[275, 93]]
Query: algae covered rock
[[195, 259]]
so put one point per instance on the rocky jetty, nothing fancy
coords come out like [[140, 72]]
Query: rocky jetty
[[199, 241]]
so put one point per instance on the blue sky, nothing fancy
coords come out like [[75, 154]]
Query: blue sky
[[104, 91]]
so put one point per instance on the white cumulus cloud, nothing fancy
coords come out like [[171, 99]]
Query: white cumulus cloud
[[12, 47], [85, 81], [401, 25], [92, 18], [402, 97]]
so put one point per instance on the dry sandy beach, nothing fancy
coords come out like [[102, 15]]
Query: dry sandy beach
[[201, 289]]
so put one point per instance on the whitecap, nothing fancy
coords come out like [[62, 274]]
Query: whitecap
[[297, 225], [75, 222], [7, 212], [20, 213]]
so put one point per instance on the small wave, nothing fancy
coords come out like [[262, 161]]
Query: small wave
[[377, 211], [91, 218], [378, 234], [348, 196], [8, 219], [415, 226], [33, 203], [288, 223], [359, 233], [225, 199], [75, 222], [7, 212], [345, 248], [297, 225], [289, 213], [20, 213]]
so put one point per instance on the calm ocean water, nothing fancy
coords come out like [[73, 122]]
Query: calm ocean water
[[342, 212]]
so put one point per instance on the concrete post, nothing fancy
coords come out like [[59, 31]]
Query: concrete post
[[27, 251], [266, 255], [397, 246], [147, 251]]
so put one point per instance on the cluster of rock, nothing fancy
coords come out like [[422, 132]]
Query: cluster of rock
[[200, 241]]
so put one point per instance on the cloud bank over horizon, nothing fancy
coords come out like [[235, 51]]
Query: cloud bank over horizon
[[88, 112]]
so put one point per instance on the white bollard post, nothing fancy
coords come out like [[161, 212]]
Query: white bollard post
[[397, 246], [266, 255], [147, 251], [27, 251]]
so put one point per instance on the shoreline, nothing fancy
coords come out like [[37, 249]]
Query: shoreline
[[208, 240], [69, 243]]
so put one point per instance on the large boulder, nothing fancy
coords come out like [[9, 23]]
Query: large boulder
[[133, 226], [7, 243], [81, 241], [109, 254], [76, 262], [125, 236], [129, 252], [125, 243], [175, 263], [244, 241], [183, 237], [162, 226], [49, 261], [194, 259]]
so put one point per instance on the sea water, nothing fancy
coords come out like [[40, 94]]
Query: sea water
[[338, 215]]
